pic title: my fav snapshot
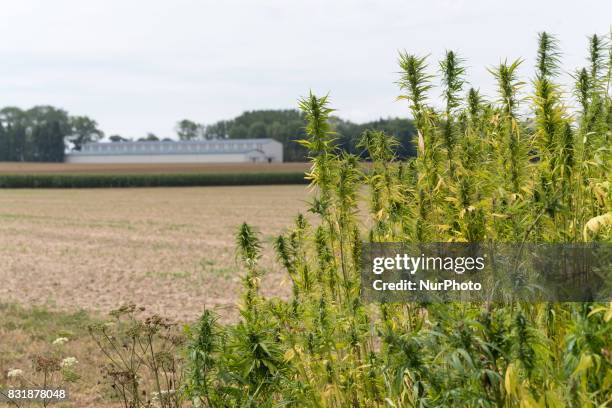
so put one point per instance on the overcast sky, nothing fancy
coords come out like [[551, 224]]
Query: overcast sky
[[140, 66]]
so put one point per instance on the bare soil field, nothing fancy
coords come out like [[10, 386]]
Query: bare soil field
[[74, 168], [169, 250]]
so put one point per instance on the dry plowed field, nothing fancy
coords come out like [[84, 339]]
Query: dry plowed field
[[168, 249]]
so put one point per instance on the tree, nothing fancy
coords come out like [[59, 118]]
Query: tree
[[239, 131], [39, 115], [83, 130], [36, 134], [188, 130], [11, 115], [50, 146], [149, 138], [12, 139], [118, 138], [219, 130], [257, 130]]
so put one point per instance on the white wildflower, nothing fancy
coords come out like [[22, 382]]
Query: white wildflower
[[59, 341], [14, 373], [163, 396], [69, 362]]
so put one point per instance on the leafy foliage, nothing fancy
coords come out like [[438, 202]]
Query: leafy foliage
[[42, 133], [287, 126], [36, 134]]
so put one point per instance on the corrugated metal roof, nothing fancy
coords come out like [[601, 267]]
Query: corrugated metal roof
[[225, 146]]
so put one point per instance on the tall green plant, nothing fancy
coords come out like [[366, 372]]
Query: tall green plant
[[513, 169]]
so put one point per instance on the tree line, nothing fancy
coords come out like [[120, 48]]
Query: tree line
[[287, 126], [46, 133], [43, 133]]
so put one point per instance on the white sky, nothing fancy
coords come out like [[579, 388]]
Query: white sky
[[140, 66]]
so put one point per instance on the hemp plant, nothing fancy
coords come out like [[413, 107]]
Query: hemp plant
[[520, 166]]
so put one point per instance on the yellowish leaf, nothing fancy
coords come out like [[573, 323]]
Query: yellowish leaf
[[289, 354], [421, 143], [594, 224], [510, 380], [586, 362], [607, 312], [527, 401]]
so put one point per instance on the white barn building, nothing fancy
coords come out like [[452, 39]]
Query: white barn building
[[200, 151]]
